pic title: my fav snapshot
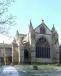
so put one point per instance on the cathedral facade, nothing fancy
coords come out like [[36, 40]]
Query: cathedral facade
[[39, 45]]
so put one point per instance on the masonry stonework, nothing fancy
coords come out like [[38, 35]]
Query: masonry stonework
[[40, 45]]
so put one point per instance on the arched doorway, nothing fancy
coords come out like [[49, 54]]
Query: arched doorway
[[42, 48], [26, 57]]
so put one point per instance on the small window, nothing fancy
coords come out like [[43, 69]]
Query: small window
[[42, 30]]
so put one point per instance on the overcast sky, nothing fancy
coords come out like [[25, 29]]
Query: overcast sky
[[36, 10]]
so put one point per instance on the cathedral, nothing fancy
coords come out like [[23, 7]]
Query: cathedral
[[39, 45]]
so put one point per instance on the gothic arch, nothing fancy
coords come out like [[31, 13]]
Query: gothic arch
[[27, 56], [42, 48], [26, 53]]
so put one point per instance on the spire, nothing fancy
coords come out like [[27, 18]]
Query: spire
[[53, 28], [30, 23], [30, 26], [17, 33]]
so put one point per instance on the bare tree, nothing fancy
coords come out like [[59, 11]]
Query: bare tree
[[6, 20]]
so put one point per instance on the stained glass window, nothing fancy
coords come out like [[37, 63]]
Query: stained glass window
[[42, 48]]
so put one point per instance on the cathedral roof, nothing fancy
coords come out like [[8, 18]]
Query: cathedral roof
[[44, 26], [2, 45]]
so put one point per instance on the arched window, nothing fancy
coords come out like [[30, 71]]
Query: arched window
[[42, 30], [42, 48]]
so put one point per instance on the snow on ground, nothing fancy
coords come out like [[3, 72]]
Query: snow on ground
[[9, 71]]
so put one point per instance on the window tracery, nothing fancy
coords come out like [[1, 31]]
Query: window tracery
[[42, 48]]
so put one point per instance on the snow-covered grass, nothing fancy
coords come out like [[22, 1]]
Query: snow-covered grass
[[30, 67]]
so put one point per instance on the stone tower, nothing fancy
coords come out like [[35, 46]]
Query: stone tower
[[55, 44], [31, 36]]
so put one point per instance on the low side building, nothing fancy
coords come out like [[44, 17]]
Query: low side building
[[5, 53]]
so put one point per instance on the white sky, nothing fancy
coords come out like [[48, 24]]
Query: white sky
[[5, 39]]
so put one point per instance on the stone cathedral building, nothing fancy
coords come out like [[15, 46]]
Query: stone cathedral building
[[39, 45]]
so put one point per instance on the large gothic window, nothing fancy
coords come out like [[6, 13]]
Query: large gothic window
[[42, 48], [42, 30]]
